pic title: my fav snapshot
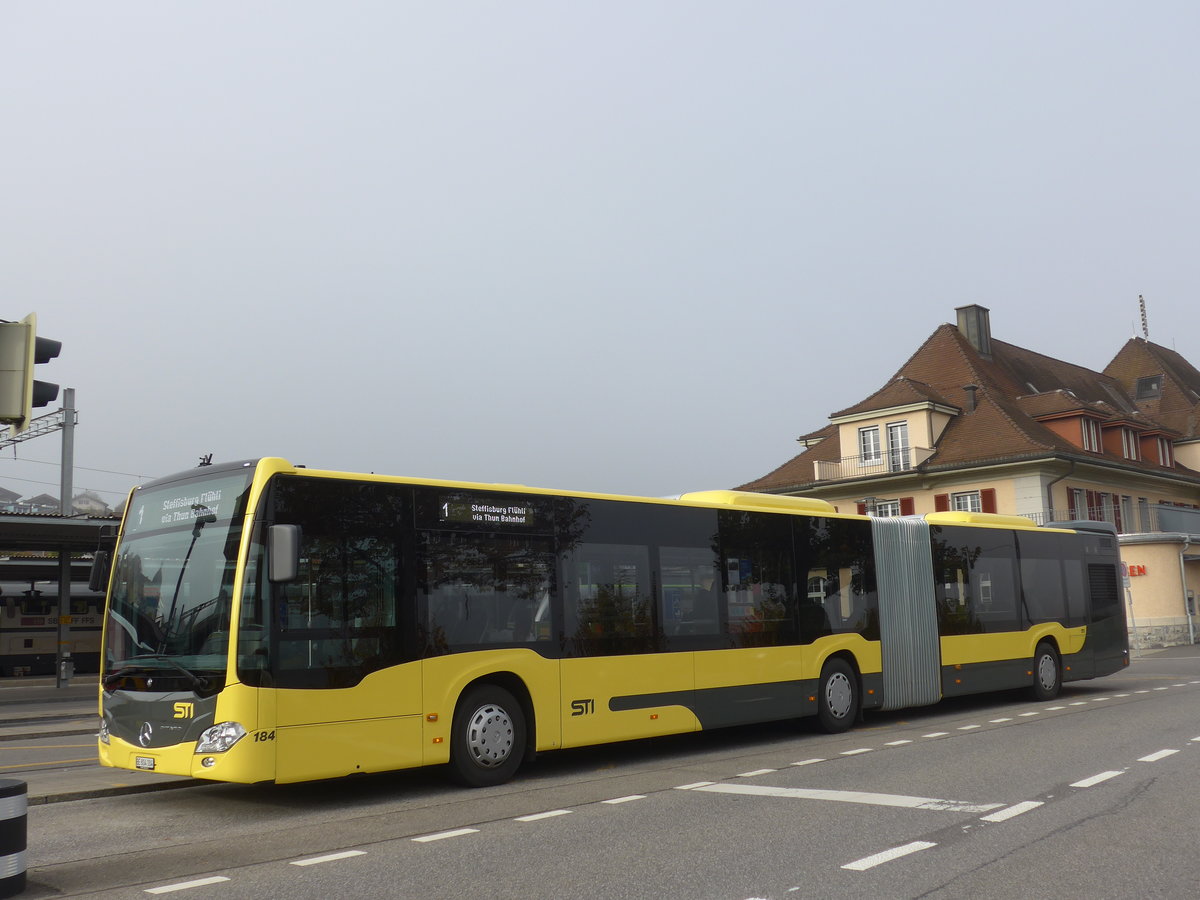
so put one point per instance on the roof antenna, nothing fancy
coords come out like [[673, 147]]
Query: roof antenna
[[1145, 326]]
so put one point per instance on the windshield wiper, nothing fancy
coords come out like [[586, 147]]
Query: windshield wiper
[[198, 682]]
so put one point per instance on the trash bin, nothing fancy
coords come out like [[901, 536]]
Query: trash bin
[[66, 668], [13, 801]]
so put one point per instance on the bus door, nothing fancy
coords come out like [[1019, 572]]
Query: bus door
[[618, 679], [907, 616], [344, 701]]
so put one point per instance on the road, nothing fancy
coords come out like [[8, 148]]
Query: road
[[996, 797]]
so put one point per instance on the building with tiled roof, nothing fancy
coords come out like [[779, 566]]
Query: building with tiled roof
[[975, 424]]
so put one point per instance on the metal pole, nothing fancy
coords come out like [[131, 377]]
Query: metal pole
[[63, 663]]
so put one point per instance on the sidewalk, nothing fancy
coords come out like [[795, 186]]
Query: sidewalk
[[34, 709]]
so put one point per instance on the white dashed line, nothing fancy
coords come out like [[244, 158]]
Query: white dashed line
[[1036, 712], [692, 787], [184, 885], [1014, 810], [1155, 757], [756, 773], [1055, 707], [856, 752], [442, 835], [631, 797], [1095, 779], [936, 734], [897, 743], [535, 817], [317, 860], [968, 727], [807, 762], [998, 721], [869, 862]]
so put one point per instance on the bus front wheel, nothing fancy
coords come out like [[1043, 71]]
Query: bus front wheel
[[488, 738], [837, 697], [1047, 673]]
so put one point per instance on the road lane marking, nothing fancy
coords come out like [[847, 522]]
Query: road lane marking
[[330, 857], [863, 797], [616, 800], [936, 734], [692, 787], [1155, 757], [968, 727], [897, 743], [809, 762], [442, 835], [1055, 707], [534, 817], [184, 885], [868, 862], [1095, 779], [998, 721], [1015, 810], [757, 772], [1036, 712], [856, 752]]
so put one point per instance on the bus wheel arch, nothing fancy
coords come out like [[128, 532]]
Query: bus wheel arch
[[1047, 670], [839, 694], [492, 731]]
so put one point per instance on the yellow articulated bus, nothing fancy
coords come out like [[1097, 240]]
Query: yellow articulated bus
[[268, 622]]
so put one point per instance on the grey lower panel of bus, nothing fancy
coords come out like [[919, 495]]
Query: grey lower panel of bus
[[907, 619], [743, 704]]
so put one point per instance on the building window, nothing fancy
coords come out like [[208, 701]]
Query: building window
[[1129, 443], [967, 501], [1149, 387], [868, 446], [1164, 453], [898, 457], [884, 508], [1091, 435]]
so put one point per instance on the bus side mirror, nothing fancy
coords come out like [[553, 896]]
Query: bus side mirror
[[98, 578], [283, 553]]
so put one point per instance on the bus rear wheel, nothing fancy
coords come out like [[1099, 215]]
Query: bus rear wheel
[[837, 697], [487, 742], [1047, 672]]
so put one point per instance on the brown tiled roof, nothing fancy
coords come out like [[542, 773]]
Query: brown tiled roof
[[1014, 387], [1177, 405], [900, 391]]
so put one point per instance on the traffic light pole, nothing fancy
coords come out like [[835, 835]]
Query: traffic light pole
[[63, 664]]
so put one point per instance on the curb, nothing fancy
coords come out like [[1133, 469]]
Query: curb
[[94, 793]]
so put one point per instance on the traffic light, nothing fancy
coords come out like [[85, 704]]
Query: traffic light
[[20, 350]]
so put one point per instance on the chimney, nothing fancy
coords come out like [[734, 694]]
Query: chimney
[[975, 326], [971, 389]]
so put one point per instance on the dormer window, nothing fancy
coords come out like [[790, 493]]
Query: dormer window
[[1129, 443], [869, 450], [1164, 453], [1149, 387], [1091, 435]]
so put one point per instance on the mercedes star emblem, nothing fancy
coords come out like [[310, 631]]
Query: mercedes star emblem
[[145, 734]]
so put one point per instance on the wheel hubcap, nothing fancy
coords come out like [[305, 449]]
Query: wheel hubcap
[[1047, 675], [490, 736], [838, 695]]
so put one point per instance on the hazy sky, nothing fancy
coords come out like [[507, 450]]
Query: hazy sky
[[635, 247]]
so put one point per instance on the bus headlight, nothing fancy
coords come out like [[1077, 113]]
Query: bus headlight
[[220, 738], [102, 734]]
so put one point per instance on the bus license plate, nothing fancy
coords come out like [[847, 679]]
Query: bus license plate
[[144, 762]]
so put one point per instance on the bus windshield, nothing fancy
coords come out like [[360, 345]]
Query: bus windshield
[[172, 585]]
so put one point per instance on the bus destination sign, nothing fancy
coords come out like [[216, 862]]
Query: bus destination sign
[[486, 511]]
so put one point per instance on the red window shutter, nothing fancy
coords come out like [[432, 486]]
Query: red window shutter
[[941, 502], [1072, 513], [862, 508], [907, 507], [987, 500]]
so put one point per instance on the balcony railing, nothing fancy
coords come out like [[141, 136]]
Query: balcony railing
[[1156, 519], [887, 462]]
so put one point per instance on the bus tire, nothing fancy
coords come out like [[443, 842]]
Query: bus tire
[[487, 743], [837, 697], [1047, 672]]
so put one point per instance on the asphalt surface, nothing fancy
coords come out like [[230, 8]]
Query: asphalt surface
[[35, 708]]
